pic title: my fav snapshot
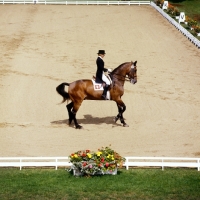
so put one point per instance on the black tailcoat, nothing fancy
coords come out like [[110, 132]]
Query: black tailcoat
[[100, 70]]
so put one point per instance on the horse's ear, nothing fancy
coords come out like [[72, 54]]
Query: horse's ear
[[135, 63]]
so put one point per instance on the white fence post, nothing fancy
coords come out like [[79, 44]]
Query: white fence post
[[20, 164], [56, 163]]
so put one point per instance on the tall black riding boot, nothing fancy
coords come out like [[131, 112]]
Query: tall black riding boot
[[105, 92]]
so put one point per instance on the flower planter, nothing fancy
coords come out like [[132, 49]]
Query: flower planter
[[111, 172], [103, 161], [77, 172]]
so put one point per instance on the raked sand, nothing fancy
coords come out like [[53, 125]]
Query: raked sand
[[43, 46]]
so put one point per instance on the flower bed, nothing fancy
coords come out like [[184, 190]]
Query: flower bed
[[103, 161]]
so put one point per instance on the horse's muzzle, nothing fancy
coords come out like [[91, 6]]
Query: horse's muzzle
[[133, 81]]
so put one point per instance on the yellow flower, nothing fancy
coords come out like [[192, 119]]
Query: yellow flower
[[99, 153], [89, 155], [109, 156], [75, 156]]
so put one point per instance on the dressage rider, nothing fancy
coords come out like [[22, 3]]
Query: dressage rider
[[100, 76]]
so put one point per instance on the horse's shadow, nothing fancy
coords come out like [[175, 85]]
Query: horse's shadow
[[89, 119]]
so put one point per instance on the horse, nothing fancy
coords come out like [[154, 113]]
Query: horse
[[84, 90]]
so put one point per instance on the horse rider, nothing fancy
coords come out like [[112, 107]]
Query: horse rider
[[100, 76]]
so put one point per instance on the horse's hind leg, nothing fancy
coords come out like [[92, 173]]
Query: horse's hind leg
[[69, 108], [74, 110], [78, 126], [72, 114]]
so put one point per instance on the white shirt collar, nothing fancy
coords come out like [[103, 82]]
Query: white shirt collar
[[100, 57]]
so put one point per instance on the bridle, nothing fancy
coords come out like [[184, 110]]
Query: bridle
[[124, 77]]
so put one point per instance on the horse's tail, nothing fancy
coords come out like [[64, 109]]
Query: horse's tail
[[61, 90]]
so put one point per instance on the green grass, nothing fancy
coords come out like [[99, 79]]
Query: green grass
[[190, 7], [128, 184]]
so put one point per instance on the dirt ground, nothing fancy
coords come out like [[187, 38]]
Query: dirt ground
[[45, 45]]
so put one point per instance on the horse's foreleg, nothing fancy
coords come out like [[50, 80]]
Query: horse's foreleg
[[122, 118], [121, 109]]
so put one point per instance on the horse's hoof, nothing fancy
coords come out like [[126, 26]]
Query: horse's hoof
[[69, 121], [125, 125], [79, 127], [115, 119]]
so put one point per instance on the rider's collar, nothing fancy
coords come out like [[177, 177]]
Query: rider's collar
[[100, 57]]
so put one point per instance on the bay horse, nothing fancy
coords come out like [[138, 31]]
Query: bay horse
[[84, 90]]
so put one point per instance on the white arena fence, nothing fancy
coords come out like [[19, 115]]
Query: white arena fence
[[193, 39], [56, 162], [62, 2]]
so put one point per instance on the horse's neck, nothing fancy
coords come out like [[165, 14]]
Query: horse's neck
[[123, 70], [120, 75]]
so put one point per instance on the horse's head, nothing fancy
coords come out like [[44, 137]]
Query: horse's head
[[132, 75]]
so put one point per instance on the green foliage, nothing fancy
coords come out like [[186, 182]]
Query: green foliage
[[197, 29], [91, 163], [190, 7], [139, 184], [191, 22], [159, 2]]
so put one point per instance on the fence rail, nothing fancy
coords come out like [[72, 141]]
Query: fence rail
[[34, 162], [61, 2], [130, 162], [162, 162]]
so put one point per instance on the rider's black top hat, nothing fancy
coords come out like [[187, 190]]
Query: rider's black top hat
[[101, 52]]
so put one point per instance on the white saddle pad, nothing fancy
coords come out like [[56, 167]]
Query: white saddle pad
[[99, 86]]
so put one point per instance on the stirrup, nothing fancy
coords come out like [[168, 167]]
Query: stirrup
[[103, 96]]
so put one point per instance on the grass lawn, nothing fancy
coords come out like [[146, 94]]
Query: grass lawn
[[127, 184], [190, 7]]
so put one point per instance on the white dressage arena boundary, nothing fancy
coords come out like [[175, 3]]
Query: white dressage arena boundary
[[130, 162], [63, 2]]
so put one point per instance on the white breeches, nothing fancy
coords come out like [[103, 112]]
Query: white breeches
[[105, 79]]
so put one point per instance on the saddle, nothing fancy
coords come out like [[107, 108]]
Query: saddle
[[100, 82], [99, 85]]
